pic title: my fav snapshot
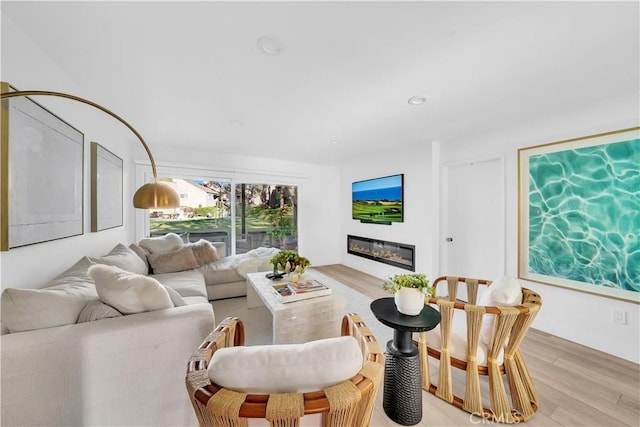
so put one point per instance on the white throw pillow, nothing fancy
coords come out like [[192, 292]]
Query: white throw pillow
[[204, 252], [174, 261], [288, 368], [58, 304], [97, 310], [159, 245], [29, 309], [127, 292], [504, 291], [77, 274], [141, 252], [176, 298], [125, 258]]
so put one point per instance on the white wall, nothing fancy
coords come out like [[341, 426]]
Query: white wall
[[26, 67], [419, 207], [576, 316], [319, 186], [579, 317]]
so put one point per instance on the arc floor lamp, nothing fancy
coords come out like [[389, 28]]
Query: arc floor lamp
[[152, 195]]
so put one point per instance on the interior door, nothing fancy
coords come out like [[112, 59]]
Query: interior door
[[474, 219]]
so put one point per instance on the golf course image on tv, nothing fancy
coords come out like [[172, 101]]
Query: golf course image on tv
[[378, 200]]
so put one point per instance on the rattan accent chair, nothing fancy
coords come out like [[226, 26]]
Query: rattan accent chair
[[348, 404], [512, 324]]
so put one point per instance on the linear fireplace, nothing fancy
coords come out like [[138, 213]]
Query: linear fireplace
[[397, 254]]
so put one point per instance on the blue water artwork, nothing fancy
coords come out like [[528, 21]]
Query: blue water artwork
[[584, 214]]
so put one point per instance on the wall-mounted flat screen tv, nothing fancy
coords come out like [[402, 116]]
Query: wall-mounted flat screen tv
[[378, 200]]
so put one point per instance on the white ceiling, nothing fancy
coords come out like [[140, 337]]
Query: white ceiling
[[190, 73]]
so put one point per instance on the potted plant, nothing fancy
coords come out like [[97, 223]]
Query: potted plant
[[289, 261], [409, 292]]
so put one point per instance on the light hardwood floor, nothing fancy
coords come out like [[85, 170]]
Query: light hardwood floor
[[577, 386]]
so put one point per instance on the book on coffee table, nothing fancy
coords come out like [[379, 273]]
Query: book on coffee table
[[304, 289], [306, 285]]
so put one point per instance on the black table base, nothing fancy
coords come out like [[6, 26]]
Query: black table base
[[402, 398]]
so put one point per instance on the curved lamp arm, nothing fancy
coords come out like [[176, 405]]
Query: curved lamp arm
[[151, 195]]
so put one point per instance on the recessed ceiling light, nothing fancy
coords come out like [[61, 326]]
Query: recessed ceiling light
[[335, 141], [417, 100], [269, 45]]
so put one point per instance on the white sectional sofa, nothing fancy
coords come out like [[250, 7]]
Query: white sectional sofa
[[225, 277], [67, 362]]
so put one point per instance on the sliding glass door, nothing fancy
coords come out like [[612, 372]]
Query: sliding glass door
[[204, 212], [263, 215], [266, 215]]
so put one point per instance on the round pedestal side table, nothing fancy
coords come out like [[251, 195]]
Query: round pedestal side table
[[402, 396]]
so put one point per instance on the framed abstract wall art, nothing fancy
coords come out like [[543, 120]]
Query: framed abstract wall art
[[41, 175], [106, 188], [579, 214]]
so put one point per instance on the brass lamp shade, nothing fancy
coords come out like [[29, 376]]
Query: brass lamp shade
[[156, 195]]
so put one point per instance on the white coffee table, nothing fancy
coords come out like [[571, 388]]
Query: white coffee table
[[299, 321]]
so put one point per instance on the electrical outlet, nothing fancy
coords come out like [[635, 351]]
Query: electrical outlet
[[619, 317]]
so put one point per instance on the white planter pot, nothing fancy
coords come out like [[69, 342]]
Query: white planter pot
[[409, 301]]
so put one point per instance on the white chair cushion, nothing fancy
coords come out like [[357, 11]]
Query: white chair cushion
[[287, 368], [504, 291], [158, 245], [127, 292], [125, 258], [458, 341]]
